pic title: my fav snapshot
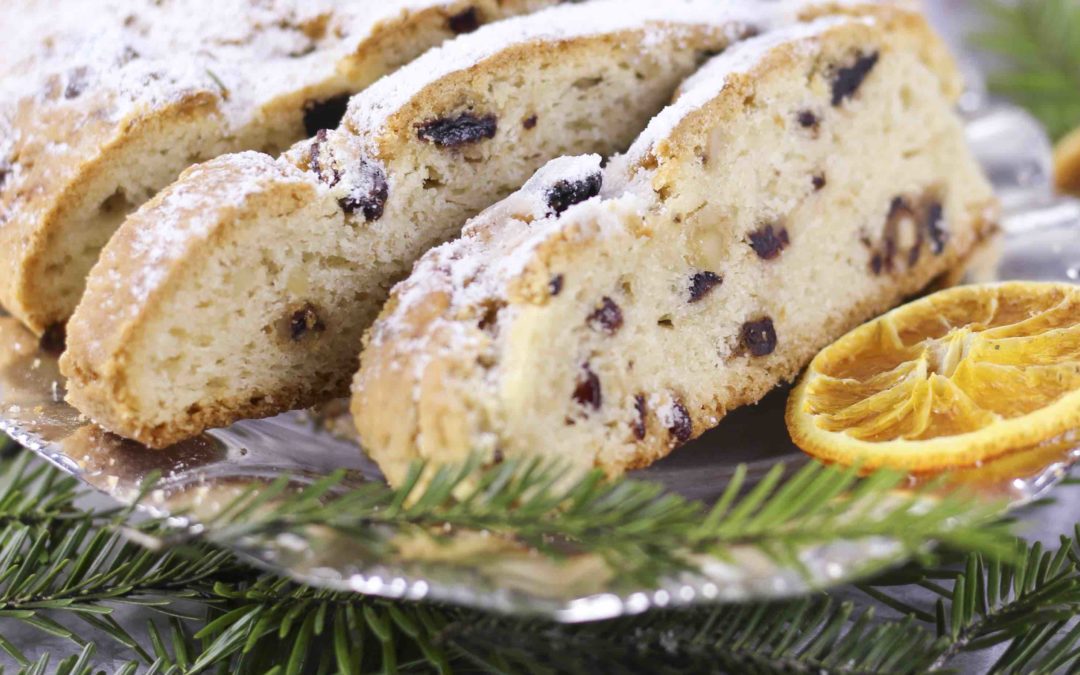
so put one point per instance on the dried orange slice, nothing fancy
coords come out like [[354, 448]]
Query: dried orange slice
[[951, 380]]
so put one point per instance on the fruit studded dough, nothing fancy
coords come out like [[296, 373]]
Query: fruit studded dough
[[804, 182]]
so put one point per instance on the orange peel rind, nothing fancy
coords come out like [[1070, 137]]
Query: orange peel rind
[[952, 380]]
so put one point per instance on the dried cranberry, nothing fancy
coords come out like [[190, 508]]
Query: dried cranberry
[[847, 80], [769, 242], [759, 337], [454, 132], [608, 317], [682, 425], [703, 283], [327, 114], [588, 393], [465, 21], [565, 193]]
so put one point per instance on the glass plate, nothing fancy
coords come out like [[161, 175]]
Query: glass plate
[[1040, 241]]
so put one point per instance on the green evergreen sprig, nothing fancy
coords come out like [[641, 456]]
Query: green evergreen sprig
[[643, 533], [1039, 40], [218, 615]]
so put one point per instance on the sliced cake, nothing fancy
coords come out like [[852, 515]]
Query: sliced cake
[[105, 102], [805, 181], [244, 289]]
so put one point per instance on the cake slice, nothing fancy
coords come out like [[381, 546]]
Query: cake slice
[[244, 289], [105, 102], [805, 181]]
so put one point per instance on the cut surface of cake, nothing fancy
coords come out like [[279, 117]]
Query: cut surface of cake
[[244, 289], [105, 102], [804, 182]]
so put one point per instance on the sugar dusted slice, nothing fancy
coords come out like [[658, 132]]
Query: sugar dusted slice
[[244, 289], [102, 104], [805, 181]]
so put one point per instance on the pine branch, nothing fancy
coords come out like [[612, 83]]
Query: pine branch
[[643, 533], [79, 568], [1040, 43], [985, 603]]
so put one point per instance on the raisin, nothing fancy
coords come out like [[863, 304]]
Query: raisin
[[327, 114], [305, 321], [847, 80], [499, 457], [682, 425], [530, 122], [939, 236], [641, 423], [370, 197], [703, 283], [608, 317], [769, 242], [820, 182], [454, 132], [588, 393], [555, 286], [466, 21], [54, 339], [565, 193], [759, 337], [808, 120]]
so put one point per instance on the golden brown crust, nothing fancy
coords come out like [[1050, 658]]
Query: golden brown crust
[[51, 187], [108, 326]]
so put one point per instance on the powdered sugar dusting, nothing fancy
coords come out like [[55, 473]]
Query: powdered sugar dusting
[[369, 110], [500, 244], [252, 50], [188, 213], [710, 81]]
